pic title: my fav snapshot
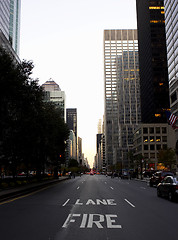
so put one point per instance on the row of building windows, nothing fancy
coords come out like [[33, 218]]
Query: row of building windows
[[155, 130], [154, 147], [151, 148]]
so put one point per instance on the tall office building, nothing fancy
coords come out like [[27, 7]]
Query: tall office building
[[171, 21], [122, 95], [5, 17], [71, 119], [10, 21], [54, 94], [14, 24], [154, 87]]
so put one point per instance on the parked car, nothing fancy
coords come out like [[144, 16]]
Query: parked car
[[158, 177], [148, 173], [125, 175], [168, 188]]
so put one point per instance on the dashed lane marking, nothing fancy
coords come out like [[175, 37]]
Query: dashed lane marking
[[130, 203], [66, 202]]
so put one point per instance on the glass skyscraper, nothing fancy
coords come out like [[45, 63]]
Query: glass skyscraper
[[154, 87], [5, 17], [171, 21], [10, 21], [122, 93]]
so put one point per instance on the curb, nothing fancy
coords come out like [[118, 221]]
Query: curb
[[16, 192]]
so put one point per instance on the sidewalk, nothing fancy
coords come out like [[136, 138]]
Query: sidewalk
[[17, 191]]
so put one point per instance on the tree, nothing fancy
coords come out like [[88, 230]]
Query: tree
[[167, 157], [32, 132]]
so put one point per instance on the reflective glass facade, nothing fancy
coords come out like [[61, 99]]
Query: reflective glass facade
[[152, 61], [4, 17], [14, 25], [10, 21], [122, 95], [171, 21]]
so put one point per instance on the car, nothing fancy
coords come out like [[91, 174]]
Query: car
[[125, 175], [158, 177], [148, 173], [168, 188]]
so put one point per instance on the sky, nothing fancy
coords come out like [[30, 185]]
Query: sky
[[64, 39]]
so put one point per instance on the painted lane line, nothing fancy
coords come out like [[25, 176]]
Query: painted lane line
[[66, 202], [105, 182], [143, 188], [23, 196], [129, 203], [112, 188], [78, 188]]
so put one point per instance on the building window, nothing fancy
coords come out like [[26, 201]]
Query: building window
[[164, 130], [164, 138], [158, 147], [145, 139], [152, 147], [145, 130], [157, 129], [158, 138], [173, 97], [145, 147], [151, 129], [151, 138]]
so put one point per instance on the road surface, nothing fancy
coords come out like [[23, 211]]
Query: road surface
[[89, 208]]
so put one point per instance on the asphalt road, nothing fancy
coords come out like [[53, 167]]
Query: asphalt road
[[90, 207]]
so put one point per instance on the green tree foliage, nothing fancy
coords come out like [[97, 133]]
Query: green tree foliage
[[167, 157], [73, 163], [32, 132]]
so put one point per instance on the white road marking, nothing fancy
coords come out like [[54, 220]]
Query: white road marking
[[112, 188], [129, 203], [96, 202], [66, 202], [105, 182], [89, 220], [143, 188], [78, 187], [69, 219], [84, 221]]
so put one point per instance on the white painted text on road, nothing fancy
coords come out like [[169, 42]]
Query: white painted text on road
[[96, 202], [90, 220]]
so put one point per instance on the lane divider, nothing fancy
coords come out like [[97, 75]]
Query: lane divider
[[66, 202], [130, 203]]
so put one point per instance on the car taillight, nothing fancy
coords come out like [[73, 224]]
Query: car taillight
[[176, 187]]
